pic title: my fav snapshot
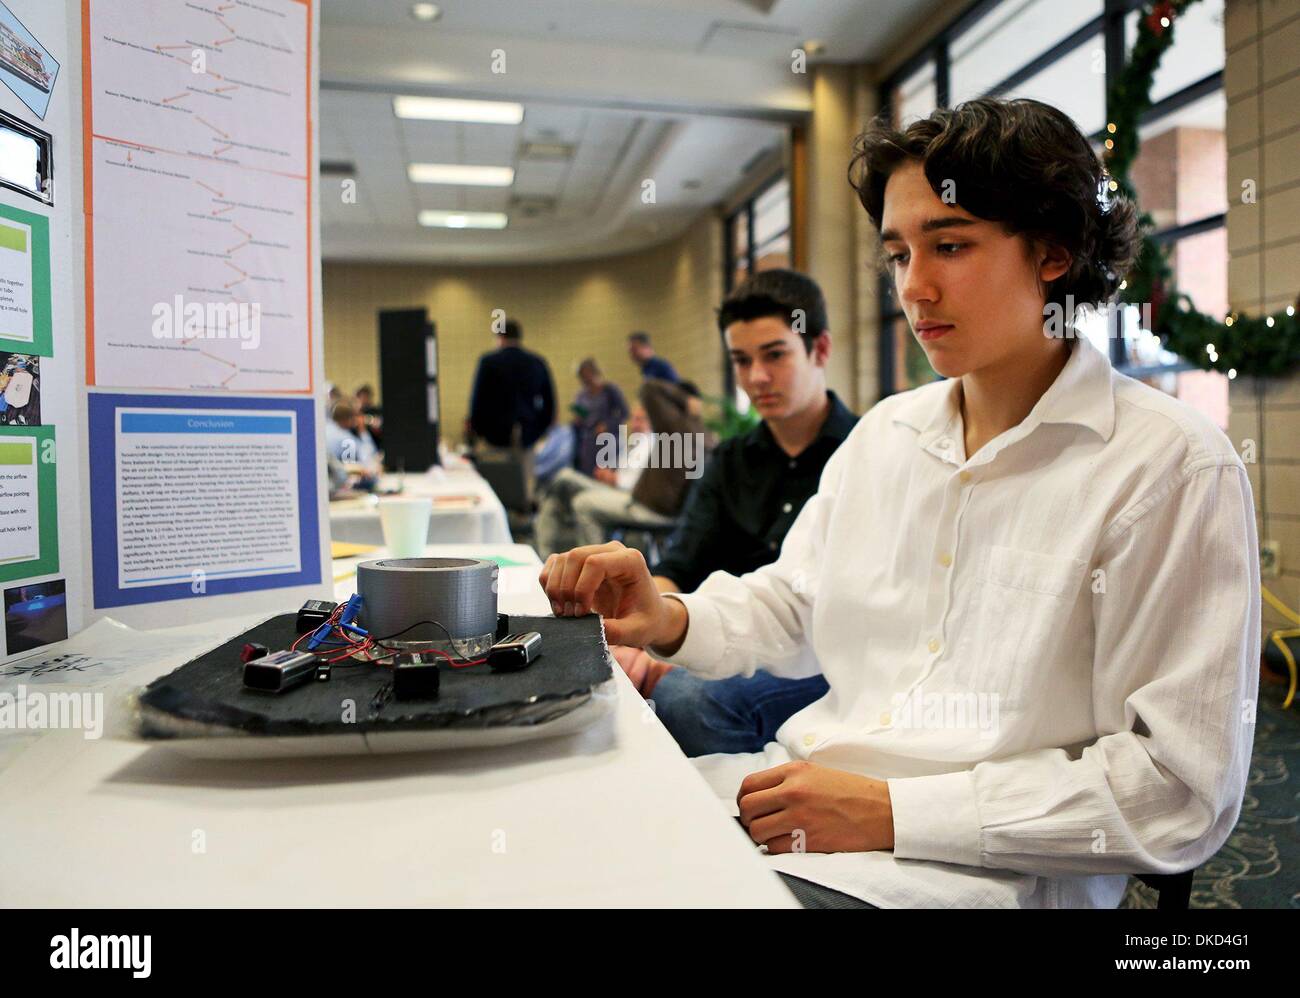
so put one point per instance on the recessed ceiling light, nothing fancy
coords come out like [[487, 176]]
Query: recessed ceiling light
[[470, 176], [546, 150], [463, 219], [489, 112], [814, 47], [426, 11]]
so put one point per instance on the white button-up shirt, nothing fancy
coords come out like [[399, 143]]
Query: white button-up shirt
[[1049, 649]]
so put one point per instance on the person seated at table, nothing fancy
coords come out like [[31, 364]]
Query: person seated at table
[[348, 443], [751, 492], [598, 406], [556, 526], [1033, 588], [552, 454], [372, 416]]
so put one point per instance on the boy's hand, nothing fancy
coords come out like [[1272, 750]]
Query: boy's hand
[[613, 581], [802, 807]]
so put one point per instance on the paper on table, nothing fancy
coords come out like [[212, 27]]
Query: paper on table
[[108, 649], [345, 549]]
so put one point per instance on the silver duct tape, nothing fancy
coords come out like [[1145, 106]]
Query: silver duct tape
[[459, 593]]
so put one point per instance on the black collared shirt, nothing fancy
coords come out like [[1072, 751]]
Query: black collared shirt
[[747, 499]]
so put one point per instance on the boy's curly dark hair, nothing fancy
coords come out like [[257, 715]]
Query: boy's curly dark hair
[[1023, 164]]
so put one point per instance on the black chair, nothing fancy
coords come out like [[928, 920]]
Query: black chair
[[1173, 890], [510, 475]]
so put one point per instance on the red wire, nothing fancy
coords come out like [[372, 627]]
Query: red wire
[[362, 645]]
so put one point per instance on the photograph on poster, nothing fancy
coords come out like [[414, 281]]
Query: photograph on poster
[[20, 390], [35, 615], [26, 67]]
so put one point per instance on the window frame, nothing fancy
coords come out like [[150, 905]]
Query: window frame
[[1110, 24]]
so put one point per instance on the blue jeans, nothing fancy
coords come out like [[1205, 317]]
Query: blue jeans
[[730, 715]]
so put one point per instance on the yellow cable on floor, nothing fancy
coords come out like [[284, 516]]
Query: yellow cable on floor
[[1279, 638]]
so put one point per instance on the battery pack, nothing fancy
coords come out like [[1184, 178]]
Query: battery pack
[[279, 671]]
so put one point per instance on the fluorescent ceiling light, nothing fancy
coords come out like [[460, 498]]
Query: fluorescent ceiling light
[[488, 112], [470, 176], [463, 219], [425, 11]]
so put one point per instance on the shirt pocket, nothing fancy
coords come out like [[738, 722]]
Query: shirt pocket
[[1023, 608]]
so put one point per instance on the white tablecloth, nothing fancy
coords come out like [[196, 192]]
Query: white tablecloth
[[465, 510], [614, 815]]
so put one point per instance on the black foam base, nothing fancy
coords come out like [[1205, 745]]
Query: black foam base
[[210, 690]]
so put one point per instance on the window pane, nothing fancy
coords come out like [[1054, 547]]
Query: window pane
[[916, 96], [1200, 265], [1197, 50], [1206, 391], [1180, 174], [1010, 36], [772, 213], [1075, 83], [774, 254], [740, 245]]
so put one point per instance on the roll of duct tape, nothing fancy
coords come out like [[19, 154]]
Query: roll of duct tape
[[400, 597]]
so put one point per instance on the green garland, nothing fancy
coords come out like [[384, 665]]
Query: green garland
[[1267, 346]]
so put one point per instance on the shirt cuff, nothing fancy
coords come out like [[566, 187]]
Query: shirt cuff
[[704, 648], [936, 818]]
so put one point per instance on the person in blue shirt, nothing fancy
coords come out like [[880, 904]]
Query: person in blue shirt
[[643, 356]]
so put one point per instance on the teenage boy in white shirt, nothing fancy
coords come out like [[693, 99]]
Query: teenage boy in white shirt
[[1033, 588]]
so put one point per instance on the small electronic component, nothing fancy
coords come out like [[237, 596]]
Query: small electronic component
[[515, 652], [344, 623], [280, 671], [252, 650], [503, 626], [414, 679], [313, 614]]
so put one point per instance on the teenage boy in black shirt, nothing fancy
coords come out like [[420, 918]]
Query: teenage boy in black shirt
[[750, 493]]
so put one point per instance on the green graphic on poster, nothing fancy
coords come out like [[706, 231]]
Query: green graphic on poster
[[29, 508], [25, 322]]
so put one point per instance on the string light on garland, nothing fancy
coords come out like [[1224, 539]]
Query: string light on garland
[[1266, 346]]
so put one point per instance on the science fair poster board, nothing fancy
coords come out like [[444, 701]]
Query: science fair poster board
[[202, 113], [198, 497]]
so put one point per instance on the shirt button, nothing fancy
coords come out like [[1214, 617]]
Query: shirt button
[[787, 507], [933, 645], [771, 545], [793, 463], [945, 559], [944, 443], [965, 477], [809, 739]]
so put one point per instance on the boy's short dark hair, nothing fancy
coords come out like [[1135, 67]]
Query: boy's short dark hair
[[512, 331], [781, 294], [639, 337], [1024, 164]]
